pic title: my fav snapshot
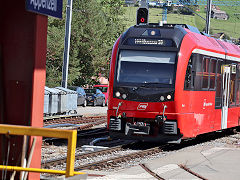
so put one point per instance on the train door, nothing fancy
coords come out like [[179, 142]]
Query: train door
[[225, 95]]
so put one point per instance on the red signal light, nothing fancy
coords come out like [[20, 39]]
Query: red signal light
[[142, 16]]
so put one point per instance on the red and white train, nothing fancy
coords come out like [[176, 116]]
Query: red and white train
[[171, 82]]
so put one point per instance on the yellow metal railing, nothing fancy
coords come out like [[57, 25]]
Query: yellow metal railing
[[70, 135]]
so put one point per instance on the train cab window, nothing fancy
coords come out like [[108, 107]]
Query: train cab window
[[147, 68]]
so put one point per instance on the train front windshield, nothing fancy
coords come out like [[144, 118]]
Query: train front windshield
[[146, 67]]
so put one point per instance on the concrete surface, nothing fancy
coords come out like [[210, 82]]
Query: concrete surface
[[92, 111], [215, 163]]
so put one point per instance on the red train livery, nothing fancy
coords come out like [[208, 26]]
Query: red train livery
[[171, 82]]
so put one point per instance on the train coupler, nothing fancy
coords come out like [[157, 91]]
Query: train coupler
[[160, 119], [137, 128]]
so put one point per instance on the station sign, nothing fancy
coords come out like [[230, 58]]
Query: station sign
[[45, 7]]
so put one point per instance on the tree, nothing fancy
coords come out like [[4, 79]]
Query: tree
[[95, 27], [55, 47]]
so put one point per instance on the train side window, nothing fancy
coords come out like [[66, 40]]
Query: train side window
[[218, 98], [197, 64], [238, 86], [212, 73], [233, 85], [205, 73], [188, 84]]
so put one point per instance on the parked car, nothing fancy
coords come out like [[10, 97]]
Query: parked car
[[104, 89], [95, 97], [81, 100]]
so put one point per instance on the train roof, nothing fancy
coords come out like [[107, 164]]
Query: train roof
[[207, 43], [176, 32]]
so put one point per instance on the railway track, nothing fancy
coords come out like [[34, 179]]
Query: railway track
[[54, 162], [79, 123], [119, 157], [115, 161], [74, 120], [114, 156]]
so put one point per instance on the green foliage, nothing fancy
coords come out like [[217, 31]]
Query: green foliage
[[95, 27], [230, 27], [55, 47]]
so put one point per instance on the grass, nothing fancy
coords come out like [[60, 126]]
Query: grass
[[155, 16], [230, 27]]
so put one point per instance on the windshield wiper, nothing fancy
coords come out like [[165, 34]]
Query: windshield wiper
[[149, 85], [153, 84]]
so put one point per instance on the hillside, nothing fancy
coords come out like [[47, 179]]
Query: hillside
[[230, 27]]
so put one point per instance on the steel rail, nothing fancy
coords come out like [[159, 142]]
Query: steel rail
[[53, 162], [151, 172], [80, 120], [191, 172], [114, 161]]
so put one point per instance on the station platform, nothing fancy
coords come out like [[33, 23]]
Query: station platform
[[212, 163]]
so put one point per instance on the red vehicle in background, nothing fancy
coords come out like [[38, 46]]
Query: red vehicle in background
[[104, 89]]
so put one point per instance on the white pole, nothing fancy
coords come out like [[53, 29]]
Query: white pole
[[67, 43], [209, 10]]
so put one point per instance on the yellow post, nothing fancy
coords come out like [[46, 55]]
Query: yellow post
[[71, 153], [70, 135], [50, 171]]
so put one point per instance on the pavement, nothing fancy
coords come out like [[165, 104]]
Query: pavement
[[92, 111], [213, 163]]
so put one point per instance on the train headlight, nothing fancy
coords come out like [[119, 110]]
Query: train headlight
[[162, 98], [124, 96], [169, 97], [153, 33], [117, 94]]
